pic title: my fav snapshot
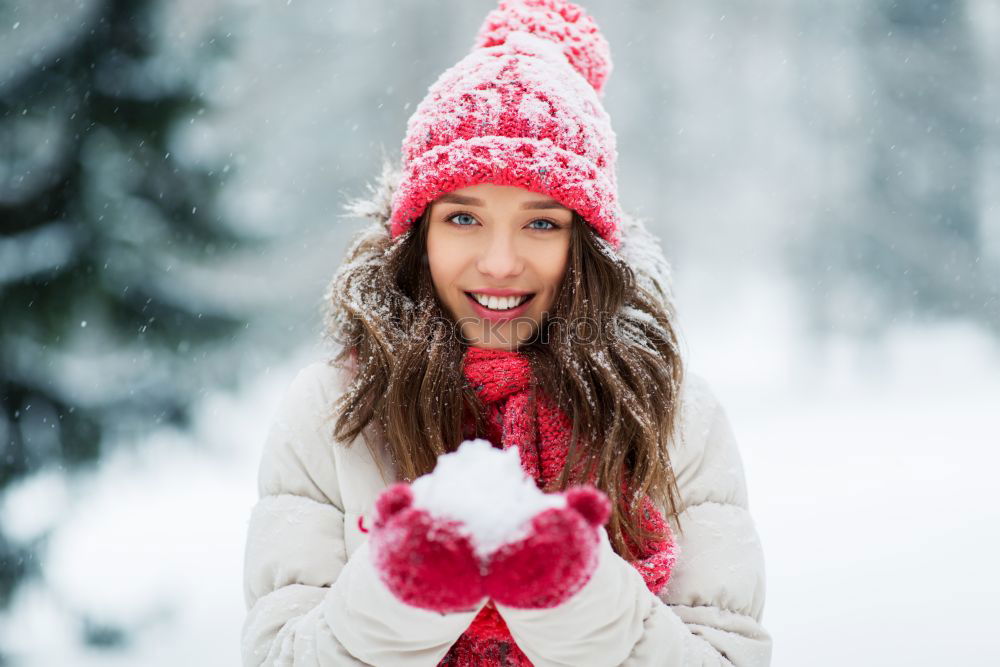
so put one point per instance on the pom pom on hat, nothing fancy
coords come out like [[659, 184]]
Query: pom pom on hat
[[559, 21]]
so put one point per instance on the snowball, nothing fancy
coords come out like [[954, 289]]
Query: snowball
[[487, 490]]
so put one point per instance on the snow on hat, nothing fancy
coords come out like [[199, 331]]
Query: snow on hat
[[523, 108]]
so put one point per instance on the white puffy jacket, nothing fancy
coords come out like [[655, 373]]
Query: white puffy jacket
[[314, 599]]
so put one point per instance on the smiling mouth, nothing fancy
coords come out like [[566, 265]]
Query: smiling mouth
[[502, 304]]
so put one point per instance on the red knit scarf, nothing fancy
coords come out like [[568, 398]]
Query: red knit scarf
[[503, 381]]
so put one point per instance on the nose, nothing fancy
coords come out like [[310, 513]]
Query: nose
[[499, 257]]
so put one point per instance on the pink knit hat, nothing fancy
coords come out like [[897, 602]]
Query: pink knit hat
[[523, 108]]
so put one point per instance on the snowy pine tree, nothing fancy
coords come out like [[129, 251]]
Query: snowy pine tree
[[923, 181], [103, 334], [900, 233]]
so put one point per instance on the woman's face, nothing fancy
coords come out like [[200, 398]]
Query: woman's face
[[491, 241]]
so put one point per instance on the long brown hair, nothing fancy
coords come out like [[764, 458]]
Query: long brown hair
[[404, 354]]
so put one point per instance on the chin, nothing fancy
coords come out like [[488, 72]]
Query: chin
[[484, 346], [500, 337]]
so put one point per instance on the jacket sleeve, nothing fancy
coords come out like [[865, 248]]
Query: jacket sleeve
[[308, 604], [710, 612]]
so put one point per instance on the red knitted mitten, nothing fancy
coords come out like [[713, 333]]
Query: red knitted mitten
[[556, 558], [425, 561]]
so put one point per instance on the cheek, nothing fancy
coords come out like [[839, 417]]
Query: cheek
[[436, 257], [435, 267], [444, 264], [552, 268]]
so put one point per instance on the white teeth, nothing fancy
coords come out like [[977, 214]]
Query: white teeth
[[500, 302]]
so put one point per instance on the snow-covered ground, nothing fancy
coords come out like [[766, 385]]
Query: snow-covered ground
[[869, 470], [151, 544]]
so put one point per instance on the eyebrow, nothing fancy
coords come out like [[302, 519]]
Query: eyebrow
[[472, 201]]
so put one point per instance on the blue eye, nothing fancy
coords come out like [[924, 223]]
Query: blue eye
[[551, 224], [454, 216]]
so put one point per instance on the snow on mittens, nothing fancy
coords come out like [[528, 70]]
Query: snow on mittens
[[479, 526]]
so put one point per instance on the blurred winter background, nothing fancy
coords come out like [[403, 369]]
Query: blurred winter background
[[825, 178]]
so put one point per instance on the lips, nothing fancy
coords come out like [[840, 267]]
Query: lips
[[490, 291], [498, 315]]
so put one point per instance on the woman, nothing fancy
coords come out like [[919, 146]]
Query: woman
[[502, 293]]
